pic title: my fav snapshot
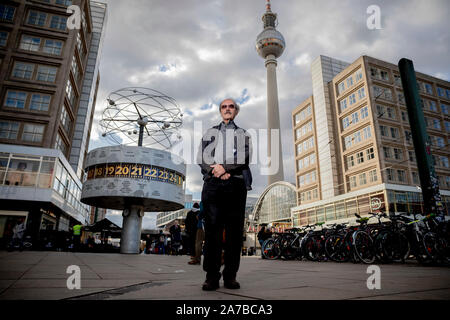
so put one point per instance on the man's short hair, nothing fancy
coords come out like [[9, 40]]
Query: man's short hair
[[238, 107], [196, 205]]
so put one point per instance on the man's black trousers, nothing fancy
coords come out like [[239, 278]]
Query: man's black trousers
[[224, 209]]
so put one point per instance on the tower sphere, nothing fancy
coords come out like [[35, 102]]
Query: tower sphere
[[270, 41]]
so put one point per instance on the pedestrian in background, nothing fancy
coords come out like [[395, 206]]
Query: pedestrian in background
[[200, 236], [191, 230], [175, 234]]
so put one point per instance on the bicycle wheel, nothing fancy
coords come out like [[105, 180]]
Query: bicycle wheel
[[435, 246], [334, 248], [310, 249], [271, 249], [363, 246], [287, 251], [395, 247]]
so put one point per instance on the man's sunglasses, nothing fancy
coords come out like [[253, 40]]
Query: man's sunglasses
[[231, 106]]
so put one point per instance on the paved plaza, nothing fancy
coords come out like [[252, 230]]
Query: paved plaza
[[43, 275]]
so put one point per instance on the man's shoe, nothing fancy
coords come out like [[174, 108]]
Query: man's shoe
[[231, 284], [194, 262], [210, 285]]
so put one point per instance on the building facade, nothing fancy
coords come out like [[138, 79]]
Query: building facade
[[48, 84], [359, 157]]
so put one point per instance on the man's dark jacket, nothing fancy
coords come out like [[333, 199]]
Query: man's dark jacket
[[234, 168]]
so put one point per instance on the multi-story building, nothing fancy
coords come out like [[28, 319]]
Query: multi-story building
[[353, 146], [48, 84]]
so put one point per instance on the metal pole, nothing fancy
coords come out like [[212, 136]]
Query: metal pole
[[141, 135], [429, 183]]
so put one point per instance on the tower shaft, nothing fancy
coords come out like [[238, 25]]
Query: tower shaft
[[273, 120]]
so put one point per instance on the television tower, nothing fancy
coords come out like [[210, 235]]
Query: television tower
[[270, 45]]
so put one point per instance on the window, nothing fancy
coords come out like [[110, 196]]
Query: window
[[3, 38], [348, 142], [387, 152], [37, 18], [447, 126], [440, 92], [349, 82], [384, 131], [397, 80], [380, 111], [405, 117], [362, 179], [64, 2], [390, 174], [390, 113], [53, 47], [70, 93], [361, 93], [23, 70], [40, 102], [415, 177], [355, 118], [66, 122], [80, 46], [358, 75], [444, 161], [401, 175], [364, 112], [299, 148], [436, 124], [46, 73], [445, 109], [401, 97], [412, 156], [30, 43], [383, 93], [58, 23], [341, 87], [367, 132], [33, 132], [360, 157], [299, 164], [353, 182], [350, 162], [373, 175], [384, 75], [394, 132], [60, 144], [9, 130], [15, 99], [428, 88], [343, 104], [370, 154], [352, 99], [408, 136], [6, 12], [440, 142], [357, 137], [398, 154]]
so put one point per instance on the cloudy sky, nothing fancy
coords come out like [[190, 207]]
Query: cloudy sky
[[201, 51]]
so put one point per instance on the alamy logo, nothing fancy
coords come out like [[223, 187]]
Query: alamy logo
[[74, 280], [74, 21], [374, 20], [374, 280]]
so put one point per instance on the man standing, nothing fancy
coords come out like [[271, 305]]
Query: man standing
[[191, 230], [224, 160], [175, 234], [77, 237]]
